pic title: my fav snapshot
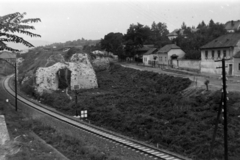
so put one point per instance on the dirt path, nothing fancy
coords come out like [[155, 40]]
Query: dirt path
[[215, 83]]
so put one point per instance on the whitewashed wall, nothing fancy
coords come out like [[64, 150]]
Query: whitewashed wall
[[182, 63], [82, 74]]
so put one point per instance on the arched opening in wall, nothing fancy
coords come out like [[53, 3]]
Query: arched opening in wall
[[64, 78]]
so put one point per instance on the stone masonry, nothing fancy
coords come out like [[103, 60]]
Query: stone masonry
[[82, 74]]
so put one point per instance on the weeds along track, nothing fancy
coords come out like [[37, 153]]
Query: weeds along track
[[137, 146]]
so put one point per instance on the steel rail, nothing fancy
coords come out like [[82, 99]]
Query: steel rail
[[155, 153]]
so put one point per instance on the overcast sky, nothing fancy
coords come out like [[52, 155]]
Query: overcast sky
[[64, 20]]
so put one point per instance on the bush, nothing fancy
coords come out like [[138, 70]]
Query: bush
[[70, 52], [28, 87], [47, 98], [149, 106]]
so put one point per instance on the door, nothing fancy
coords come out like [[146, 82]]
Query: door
[[230, 70]]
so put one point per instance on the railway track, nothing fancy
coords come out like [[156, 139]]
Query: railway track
[[142, 148]]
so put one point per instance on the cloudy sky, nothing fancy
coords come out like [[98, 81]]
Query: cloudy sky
[[64, 20]]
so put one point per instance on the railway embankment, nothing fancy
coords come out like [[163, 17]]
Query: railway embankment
[[104, 146]]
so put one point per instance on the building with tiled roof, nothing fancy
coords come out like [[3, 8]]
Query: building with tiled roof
[[141, 51], [168, 52], [231, 26], [224, 41], [150, 57], [225, 46], [168, 47], [173, 34]]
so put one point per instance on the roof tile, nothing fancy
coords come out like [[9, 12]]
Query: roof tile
[[150, 51], [228, 40], [168, 47]]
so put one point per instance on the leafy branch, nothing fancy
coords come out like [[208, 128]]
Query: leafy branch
[[14, 23]]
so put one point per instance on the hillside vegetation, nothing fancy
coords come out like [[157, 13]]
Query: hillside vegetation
[[45, 57], [42, 57], [149, 107]]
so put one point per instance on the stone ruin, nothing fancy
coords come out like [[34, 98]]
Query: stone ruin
[[82, 74]]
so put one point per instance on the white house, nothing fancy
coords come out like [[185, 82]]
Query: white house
[[227, 46], [150, 57], [169, 52]]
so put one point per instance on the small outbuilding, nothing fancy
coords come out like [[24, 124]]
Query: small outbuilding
[[169, 52], [150, 57]]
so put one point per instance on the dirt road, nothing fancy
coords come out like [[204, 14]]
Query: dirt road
[[215, 83]]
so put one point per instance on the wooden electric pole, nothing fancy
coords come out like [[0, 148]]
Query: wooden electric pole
[[225, 110], [224, 105]]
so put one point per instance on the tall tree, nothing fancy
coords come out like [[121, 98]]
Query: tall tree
[[201, 25], [211, 23], [136, 36], [112, 42], [159, 34], [193, 40], [14, 23]]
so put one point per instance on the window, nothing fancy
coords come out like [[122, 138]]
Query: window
[[206, 54], [145, 59], [224, 53], [239, 66], [219, 54], [212, 54]]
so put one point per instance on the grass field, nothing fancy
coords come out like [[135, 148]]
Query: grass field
[[149, 107]]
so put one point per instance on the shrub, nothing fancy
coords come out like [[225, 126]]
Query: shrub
[[70, 52], [28, 87], [47, 98]]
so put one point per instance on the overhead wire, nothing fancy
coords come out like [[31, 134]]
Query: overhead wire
[[149, 14]]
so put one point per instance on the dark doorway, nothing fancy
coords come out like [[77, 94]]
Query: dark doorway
[[64, 78]]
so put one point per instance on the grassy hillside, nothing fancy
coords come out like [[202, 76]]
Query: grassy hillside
[[5, 68], [149, 107], [80, 43], [42, 57]]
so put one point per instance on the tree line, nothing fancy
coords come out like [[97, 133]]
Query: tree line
[[189, 39]]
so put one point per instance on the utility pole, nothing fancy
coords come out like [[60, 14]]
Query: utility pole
[[224, 105], [225, 110], [76, 101]]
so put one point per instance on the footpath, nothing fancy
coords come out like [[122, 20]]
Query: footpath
[[215, 83]]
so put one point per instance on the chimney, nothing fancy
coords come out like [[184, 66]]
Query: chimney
[[232, 22]]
